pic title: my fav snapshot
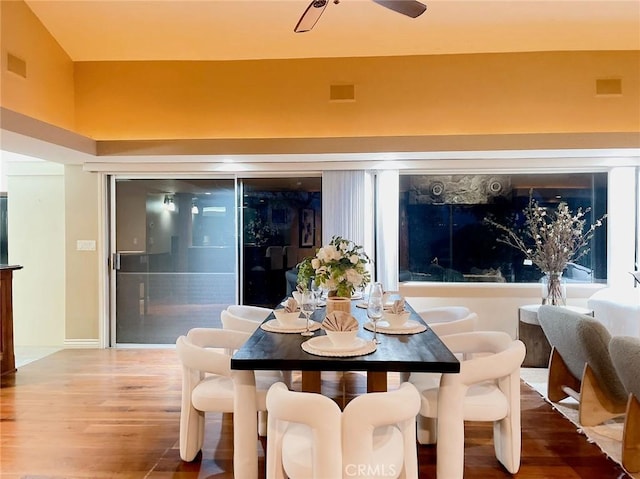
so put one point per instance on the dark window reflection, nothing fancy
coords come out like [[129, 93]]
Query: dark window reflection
[[281, 226], [443, 236]]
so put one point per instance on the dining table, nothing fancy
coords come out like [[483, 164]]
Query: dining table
[[413, 348]]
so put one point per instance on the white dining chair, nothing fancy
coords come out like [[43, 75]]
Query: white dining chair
[[248, 324], [442, 321], [310, 438], [234, 322], [207, 385], [449, 319], [246, 311], [379, 434], [486, 389], [303, 435]]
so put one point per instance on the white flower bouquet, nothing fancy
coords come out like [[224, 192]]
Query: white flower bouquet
[[340, 267]]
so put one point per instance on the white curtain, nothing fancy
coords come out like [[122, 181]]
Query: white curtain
[[387, 227], [621, 226], [348, 207]]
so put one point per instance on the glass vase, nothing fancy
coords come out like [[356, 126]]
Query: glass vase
[[554, 289]]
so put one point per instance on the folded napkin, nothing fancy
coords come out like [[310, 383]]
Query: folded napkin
[[339, 321], [291, 306], [397, 307]]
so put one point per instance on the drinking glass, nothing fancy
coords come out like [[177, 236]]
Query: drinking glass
[[308, 305], [375, 308], [317, 293]]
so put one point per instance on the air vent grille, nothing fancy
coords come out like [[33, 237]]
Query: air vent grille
[[609, 86], [16, 65], [342, 93]]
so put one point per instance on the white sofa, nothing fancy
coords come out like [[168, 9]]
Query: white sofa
[[618, 309]]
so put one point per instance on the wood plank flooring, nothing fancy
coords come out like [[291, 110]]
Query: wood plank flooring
[[115, 414]]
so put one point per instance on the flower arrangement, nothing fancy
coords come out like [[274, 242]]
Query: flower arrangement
[[550, 239], [340, 267]]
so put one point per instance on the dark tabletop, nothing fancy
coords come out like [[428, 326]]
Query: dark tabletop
[[421, 352]]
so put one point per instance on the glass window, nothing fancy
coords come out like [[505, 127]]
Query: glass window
[[176, 245], [443, 236], [281, 221]]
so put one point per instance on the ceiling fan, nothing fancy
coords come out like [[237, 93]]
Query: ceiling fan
[[410, 8]]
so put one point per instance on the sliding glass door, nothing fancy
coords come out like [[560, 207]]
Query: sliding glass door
[[174, 257], [281, 223]]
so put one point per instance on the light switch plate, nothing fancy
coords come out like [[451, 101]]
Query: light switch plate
[[86, 245]]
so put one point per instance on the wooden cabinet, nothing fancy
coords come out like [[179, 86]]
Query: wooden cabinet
[[7, 356]]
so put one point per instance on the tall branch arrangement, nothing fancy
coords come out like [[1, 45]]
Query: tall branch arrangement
[[550, 239]]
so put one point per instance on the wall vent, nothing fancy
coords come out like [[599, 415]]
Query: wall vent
[[342, 93], [609, 86], [16, 65]]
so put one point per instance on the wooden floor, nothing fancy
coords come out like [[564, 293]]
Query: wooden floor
[[114, 414]]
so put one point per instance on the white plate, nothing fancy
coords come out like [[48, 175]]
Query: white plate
[[410, 327], [274, 326], [325, 344], [322, 346], [321, 303], [364, 305]]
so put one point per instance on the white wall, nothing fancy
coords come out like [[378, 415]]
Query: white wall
[[36, 214], [495, 303], [37, 238], [3, 171]]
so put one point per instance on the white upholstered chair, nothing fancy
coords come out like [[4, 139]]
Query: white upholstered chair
[[232, 318], [443, 313], [303, 435], [310, 438], [449, 319], [625, 354], [442, 321], [379, 433], [238, 323], [255, 313], [207, 385], [486, 389]]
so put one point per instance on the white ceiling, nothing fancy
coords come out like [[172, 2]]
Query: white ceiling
[[103, 30]]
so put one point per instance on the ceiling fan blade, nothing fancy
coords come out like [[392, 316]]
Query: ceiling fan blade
[[410, 8], [310, 16]]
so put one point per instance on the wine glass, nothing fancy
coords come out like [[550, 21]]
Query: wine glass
[[375, 308], [308, 306], [317, 293]]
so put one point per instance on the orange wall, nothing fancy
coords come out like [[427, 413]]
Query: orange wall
[[47, 92], [395, 96], [421, 95]]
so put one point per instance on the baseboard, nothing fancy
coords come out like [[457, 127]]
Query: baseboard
[[82, 343]]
